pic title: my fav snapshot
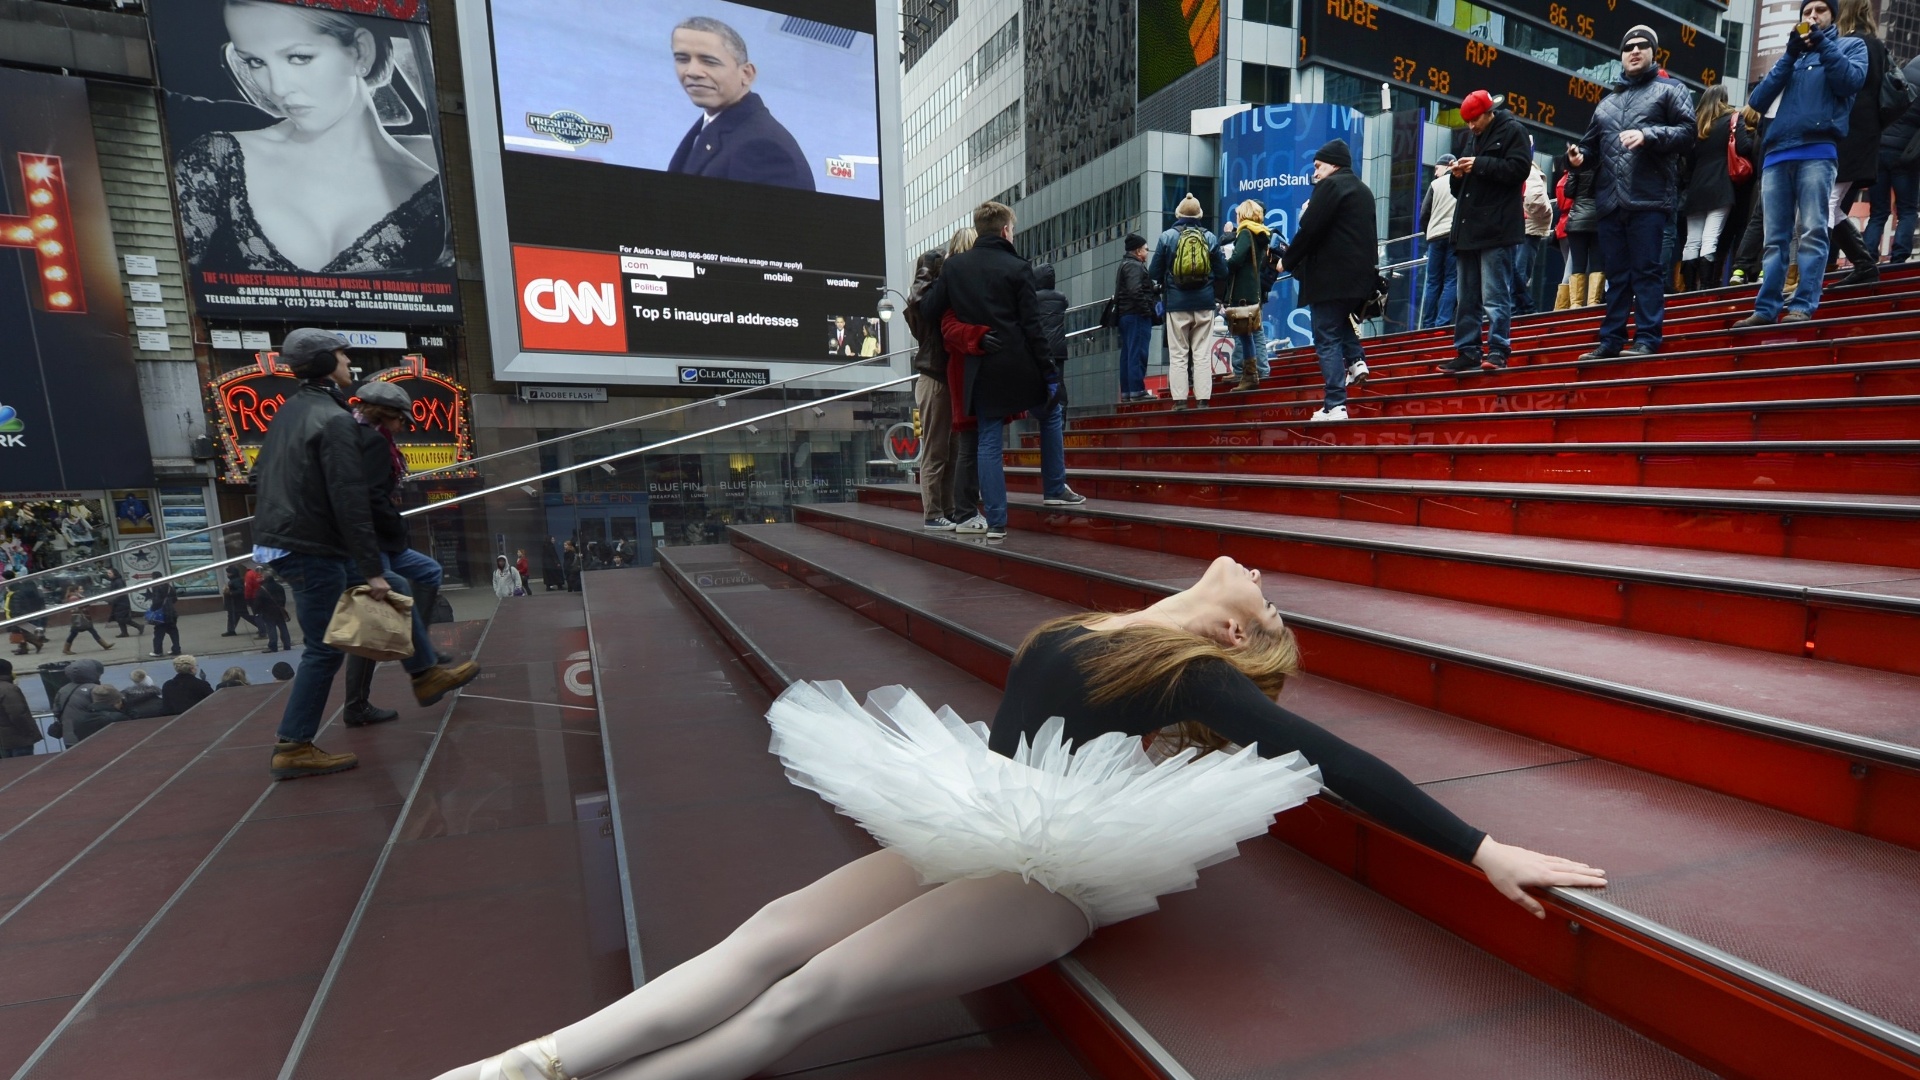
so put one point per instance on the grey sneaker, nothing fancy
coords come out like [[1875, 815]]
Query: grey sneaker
[[938, 523], [1067, 497], [975, 524]]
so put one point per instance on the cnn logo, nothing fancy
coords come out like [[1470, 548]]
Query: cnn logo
[[569, 300]]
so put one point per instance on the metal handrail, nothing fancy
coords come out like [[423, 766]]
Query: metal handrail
[[718, 401], [52, 610]]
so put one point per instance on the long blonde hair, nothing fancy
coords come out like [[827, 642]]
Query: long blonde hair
[[1150, 659], [1712, 109], [1856, 17], [963, 239]]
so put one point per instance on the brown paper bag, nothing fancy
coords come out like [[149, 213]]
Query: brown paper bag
[[375, 629]]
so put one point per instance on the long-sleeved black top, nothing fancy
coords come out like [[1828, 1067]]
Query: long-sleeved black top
[[1046, 682]]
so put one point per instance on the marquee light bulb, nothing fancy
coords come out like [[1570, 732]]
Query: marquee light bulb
[[40, 197], [52, 249], [56, 273], [46, 223], [40, 170], [61, 299], [20, 235]]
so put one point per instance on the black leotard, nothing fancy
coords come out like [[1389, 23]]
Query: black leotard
[[1046, 683]]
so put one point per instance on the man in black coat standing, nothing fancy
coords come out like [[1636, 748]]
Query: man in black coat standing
[[990, 285], [1634, 141], [1489, 179], [736, 138], [1332, 257]]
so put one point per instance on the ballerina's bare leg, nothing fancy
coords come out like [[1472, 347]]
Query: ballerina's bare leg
[[959, 937], [693, 997]]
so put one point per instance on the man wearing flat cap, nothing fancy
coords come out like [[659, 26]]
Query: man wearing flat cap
[[1636, 142], [383, 410]]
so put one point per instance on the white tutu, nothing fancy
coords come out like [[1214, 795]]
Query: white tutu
[[1104, 826]]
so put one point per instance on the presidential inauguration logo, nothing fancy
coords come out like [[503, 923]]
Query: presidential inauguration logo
[[570, 127], [11, 426]]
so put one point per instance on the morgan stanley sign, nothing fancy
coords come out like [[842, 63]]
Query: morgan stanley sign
[[1266, 153]]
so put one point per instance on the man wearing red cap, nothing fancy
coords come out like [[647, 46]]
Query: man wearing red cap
[[1488, 180]]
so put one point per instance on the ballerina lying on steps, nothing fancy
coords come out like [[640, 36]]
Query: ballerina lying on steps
[[1003, 851]]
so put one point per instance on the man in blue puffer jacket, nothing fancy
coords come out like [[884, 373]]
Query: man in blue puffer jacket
[[1635, 142], [1815, 80]]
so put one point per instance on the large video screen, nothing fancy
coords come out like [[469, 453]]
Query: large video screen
[[688, 181]]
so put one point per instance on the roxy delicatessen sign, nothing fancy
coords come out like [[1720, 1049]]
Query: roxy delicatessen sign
[[247, 399]]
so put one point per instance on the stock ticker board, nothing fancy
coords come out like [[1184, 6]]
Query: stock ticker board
[[1387, 44]]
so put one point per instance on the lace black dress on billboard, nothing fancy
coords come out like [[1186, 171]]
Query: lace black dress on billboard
[[216, 214]]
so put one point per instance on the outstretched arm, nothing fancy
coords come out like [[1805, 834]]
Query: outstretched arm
[[1232, 705]]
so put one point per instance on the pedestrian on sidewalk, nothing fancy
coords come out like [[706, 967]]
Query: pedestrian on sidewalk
[[1246, 289], [1814, 81], [1488, 182], [1185, 265], [990, 285], [1711, 191], [1437, 278], [1332, 258], [233, 598], [506, 580], [81, 623], [187, 688], [120, 607], [19, 733], [313, 527], [381, 411], [931, 400], [1639, 135], [163, 614], [1133, 299]]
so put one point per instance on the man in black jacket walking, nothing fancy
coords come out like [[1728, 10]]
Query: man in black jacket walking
[[382, 410], [1332, 257], [1634, 140], [1133, 294], [1488, 182], [990, 285], [314, 528]]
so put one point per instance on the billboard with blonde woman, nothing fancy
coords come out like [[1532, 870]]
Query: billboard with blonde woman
[[307, 162]]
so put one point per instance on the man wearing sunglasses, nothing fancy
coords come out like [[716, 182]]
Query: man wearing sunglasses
[[1635, 142], [1815, 81]]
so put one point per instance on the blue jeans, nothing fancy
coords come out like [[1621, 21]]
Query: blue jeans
[[1136, 332], [1336, 345], [1630, 246], [407, 572], [993, 475], [1485, 301], [1525, 254], [316, 582], [277, 636], [1254, 345], [1437, 284], [1903, 183], [1794, 195]]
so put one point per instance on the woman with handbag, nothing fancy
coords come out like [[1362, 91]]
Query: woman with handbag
[[120, 608], [81, 623], [506, 580], [1244, 295], [1722, 165]]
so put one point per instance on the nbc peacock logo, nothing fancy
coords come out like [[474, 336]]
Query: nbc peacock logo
[[11, 426]]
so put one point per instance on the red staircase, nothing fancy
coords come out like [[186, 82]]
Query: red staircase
[[1656, 613]]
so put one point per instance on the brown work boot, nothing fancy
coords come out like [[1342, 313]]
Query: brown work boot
[[293, 760], [440, 680]]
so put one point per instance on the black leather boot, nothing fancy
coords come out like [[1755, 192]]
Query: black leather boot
[[360, 712], [1866, 265]]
